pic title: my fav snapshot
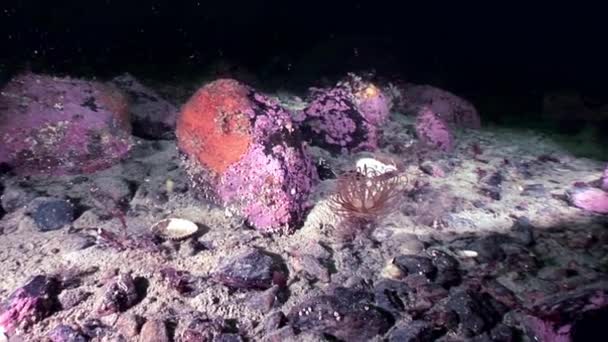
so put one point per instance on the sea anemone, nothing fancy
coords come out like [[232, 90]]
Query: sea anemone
[[364, 196]]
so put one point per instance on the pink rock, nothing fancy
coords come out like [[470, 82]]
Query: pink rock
[[29, 304], [56, 126], [348, 117], [589, 199], [151, 115], [432, 130], [453, 110]]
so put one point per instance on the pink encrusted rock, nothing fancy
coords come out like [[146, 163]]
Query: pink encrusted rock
[[152, 116], [589, 199], [244, 148], [29, 304], [453, 110], [57, 126], [347, 117], [433, 131]]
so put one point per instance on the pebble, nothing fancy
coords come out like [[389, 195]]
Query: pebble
[[345, 314], [154, 331], [413, 264], [250, 270], [414, 331], [15, 196], [71, 298], [129, 325], [51, 213], [65, 333], [119, 295]]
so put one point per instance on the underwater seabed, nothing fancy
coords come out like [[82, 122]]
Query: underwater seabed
[[485, 249]]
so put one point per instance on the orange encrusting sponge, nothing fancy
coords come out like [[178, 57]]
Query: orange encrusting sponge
[[214, 125]]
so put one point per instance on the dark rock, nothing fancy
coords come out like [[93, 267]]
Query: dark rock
[[448, 273], [96, 330], [534, 190], [578, 315], [495, 180], [264, 301], [58, 126], [523, 231], [432, 169], [154, 331], [274, 321], [345, 314], [200, 329], [66, 333], [413, 264], [250, 270], [71, 298], [520, 259], [311, 267], [475, 314], [282, 335], [29, 304], [119, 295], [392, 296], [416, 331], [77, 242], [227, 337], [324, 170], [503, 333], [51, 213], [488, 248], [491, 192], [128, 325]]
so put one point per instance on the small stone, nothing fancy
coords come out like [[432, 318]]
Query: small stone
[[488, 248], [77, 242], [71, 298], [345, 314], [264, 301], [495, 179], [534, 190], [491, 192], [154, 331], [250, 270], [476, 315], [523, 231], [274, 321], [200, 329], [413, 264], [128, 325], [226, 337], [51, 213], [448, 274], [282, 335], [412, 332], [311, 267], [65, 333], [119, 295], [15, 196]]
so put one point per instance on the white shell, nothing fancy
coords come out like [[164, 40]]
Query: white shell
[[375, 165], [174, 228]]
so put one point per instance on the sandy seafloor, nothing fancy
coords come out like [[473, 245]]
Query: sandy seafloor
[[452, 214]]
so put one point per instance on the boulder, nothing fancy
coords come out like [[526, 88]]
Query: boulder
[[56, 126]]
